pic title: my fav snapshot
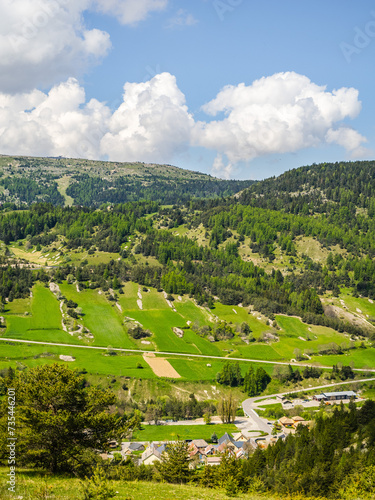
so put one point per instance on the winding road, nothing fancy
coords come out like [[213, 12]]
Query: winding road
[[259, 423]]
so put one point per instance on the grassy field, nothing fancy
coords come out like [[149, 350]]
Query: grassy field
[[19, 307], [206, 369], [293, 328], [98, 257], [44, 322], [160, 319], [354, 303], [312, 248], [37, 257], [63, 183], [361, 358], [228, 313], [258, 351], [92, 360], [34, 484], [175, 432], [101, 317], [272, 406]]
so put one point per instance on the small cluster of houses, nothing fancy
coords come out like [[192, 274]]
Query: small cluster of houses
[[200, 451], [238, 445]]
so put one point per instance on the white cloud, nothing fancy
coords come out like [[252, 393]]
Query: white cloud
[[349, 139], [57, 123], [279, 114], [45, 41], [282, 113], [181, 19], [42, 42], [152, 124], [219, 169], [130, 11]]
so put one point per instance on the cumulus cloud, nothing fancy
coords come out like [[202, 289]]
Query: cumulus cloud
[[42, 42], [350, 139], [57, 123], [151, 124], [281, 113], [45, 41]]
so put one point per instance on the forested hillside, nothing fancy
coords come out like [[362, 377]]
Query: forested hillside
[[317, 188], [63, 181], [182, 293]]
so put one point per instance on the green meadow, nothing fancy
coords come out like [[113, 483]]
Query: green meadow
[[206, 369], [101, 317], [293, 329], [43, 321], [93, 360], [176, 432], [365, 305], [361, 358], [34, 484], [39, 318]]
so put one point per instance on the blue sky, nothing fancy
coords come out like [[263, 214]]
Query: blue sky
[[238, 89]]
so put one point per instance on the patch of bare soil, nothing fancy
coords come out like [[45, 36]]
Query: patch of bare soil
[[160, 366]]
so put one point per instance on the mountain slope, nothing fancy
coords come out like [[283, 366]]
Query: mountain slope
[[25, 180], [315, 188]]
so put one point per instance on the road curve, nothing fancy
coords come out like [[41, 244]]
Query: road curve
[[249, 408]]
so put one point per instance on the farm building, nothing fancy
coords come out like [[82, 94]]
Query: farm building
[[335, 396]]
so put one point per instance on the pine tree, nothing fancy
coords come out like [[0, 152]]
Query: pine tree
[[174, 465]]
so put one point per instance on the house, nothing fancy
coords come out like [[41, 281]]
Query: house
[[193, 450], [238, 436], [300, 421], [201, 448], [241, 453], [201, 444], [335, 396], [226, 442], [151, 455], [286, 422], [210, 450], [297, 420]]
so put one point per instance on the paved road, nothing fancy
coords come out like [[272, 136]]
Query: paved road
[[249, 407], [167, 353]]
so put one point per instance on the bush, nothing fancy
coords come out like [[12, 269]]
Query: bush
[[97, 487], [72, 313]]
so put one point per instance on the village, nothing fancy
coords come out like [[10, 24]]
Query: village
[[254, 432]]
